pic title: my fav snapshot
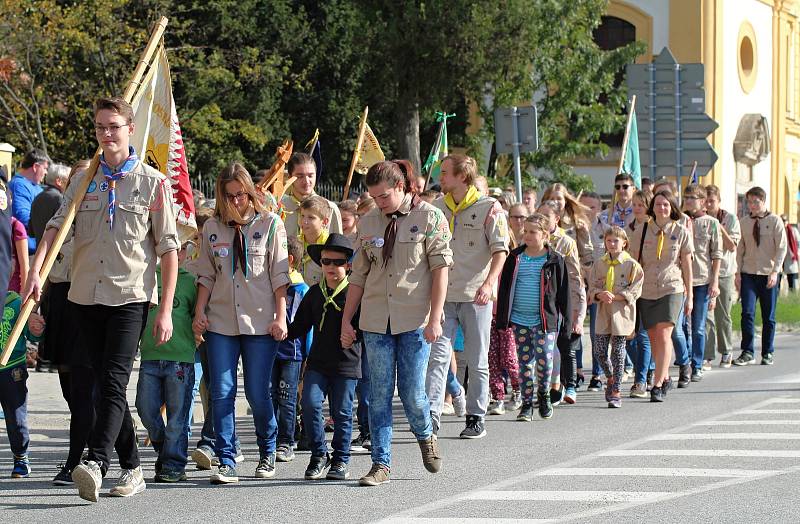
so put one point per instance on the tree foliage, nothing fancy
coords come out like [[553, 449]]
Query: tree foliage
[[249, 73]]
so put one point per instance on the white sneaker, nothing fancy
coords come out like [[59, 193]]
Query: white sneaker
[[516, 401], [497, 407], [88, 477], [447, 409], [204, 458], [460, 404], [130, 482]]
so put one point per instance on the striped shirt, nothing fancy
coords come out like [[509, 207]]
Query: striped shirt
[[525, 308]]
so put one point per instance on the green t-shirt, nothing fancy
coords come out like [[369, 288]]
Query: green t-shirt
[[180, 348], [11, 309]]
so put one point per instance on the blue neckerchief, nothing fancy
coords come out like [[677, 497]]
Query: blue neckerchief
[[112, 176], [619, 215]]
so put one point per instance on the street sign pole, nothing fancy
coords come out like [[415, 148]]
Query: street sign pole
[[517, 168], [678, 145], [651, 101]]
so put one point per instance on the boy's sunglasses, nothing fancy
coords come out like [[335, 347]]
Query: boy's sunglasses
[[622, 186], [338, 262]]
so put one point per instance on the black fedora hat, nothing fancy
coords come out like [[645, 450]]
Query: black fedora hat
[[335, 242]]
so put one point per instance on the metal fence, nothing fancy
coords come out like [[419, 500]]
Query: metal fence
[[329, 190]]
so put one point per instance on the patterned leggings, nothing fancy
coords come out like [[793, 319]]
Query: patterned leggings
[[534, 345], [617, 360], [502, 357]]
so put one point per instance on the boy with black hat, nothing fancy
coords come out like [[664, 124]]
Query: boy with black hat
[[330, 367]]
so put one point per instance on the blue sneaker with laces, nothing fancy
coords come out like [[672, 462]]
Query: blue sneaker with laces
[[22, 467]]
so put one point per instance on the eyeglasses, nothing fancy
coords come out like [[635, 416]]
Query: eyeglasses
[[237, 196], [754, 201], [102, 130], [690, 197], [338, 262], [517, 217], [622, 186]]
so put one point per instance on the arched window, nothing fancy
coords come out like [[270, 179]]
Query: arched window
[[612, 33]]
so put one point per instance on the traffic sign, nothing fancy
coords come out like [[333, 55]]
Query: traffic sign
[[527, 132], [692, 126]]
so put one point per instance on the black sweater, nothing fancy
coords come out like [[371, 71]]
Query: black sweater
[[327, 355], [554, 291]]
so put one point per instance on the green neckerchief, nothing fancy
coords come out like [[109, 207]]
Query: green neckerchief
[[329, 299]]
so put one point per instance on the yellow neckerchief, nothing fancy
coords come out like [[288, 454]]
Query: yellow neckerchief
[[297, 203], [623, 257], [295, 277], [472, 196], [323, 237], [661, 236], [323, 286]]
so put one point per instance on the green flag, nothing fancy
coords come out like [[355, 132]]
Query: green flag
[[433, 164], [631, 164]]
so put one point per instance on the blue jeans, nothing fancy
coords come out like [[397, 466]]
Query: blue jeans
[[258, 354], [198, 377], [679, 342], [14, 400], [639, 347], [697, 337], [362, 393], [400, 359], [170, 383], [452, 387], [341, 392], [207, 434], [283, 389], [754, 287]]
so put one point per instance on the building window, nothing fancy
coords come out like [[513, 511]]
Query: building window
[[612, 33]]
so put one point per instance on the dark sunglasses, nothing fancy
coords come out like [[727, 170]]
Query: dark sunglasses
[[622, 186], [338, 262]]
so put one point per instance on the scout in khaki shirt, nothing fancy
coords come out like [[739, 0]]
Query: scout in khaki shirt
[[480, 245], [400, 280], [759, 259], [719, 326], [242, 275], [124, 223], [664, 249], [615, 284], [707, 242], [302, 166], [314, 213], [573, 220], [568, 336]]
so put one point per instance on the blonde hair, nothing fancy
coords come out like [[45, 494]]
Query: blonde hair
[[317, 205], [224, 209], [574, 211], [618, 232], [463, 165], [365, 206]]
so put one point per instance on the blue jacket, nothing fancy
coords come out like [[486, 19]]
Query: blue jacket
[[294, 349], [23, 192]]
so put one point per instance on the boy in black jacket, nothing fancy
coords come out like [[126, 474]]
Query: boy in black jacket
[[330, 368]]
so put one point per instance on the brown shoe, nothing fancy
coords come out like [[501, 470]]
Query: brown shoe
[[430, 454], [378, 474], [639, 390]]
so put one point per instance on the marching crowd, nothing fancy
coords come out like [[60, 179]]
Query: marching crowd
[[444, 294]]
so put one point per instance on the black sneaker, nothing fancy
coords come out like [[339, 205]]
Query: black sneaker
[[697, 375], [545, 406], [744, 359], [363, 442], [318, 467], [525, 412], [579, 380], [685, 376], [657, 394], [475, 428], [595, 384], [767, 360], [266, 467], [338, 471], [64, 477], [556, 396], [225, 475], [666, 386]]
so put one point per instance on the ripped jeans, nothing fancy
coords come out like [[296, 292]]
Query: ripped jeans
[[283, 387]]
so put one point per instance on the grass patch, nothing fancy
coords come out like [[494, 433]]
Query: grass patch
[[788, 312]]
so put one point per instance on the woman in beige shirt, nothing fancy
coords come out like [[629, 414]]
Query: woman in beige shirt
[[664, 249], [242, 275]]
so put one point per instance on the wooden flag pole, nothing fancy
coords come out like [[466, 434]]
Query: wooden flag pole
[[622, 153], [362, 126], [130, 91]]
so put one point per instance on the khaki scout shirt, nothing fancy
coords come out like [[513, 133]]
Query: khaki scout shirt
[[118, 267], [617, 318], [731, 224], [242, 305], [707, 248], [583, 242], [60, 272], [661, 277], [768, 256], [601, 223], [399, 294], [481, 230], [291, 212], [566, 247]]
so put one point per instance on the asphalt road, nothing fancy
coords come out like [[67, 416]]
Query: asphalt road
[[725, 450]]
